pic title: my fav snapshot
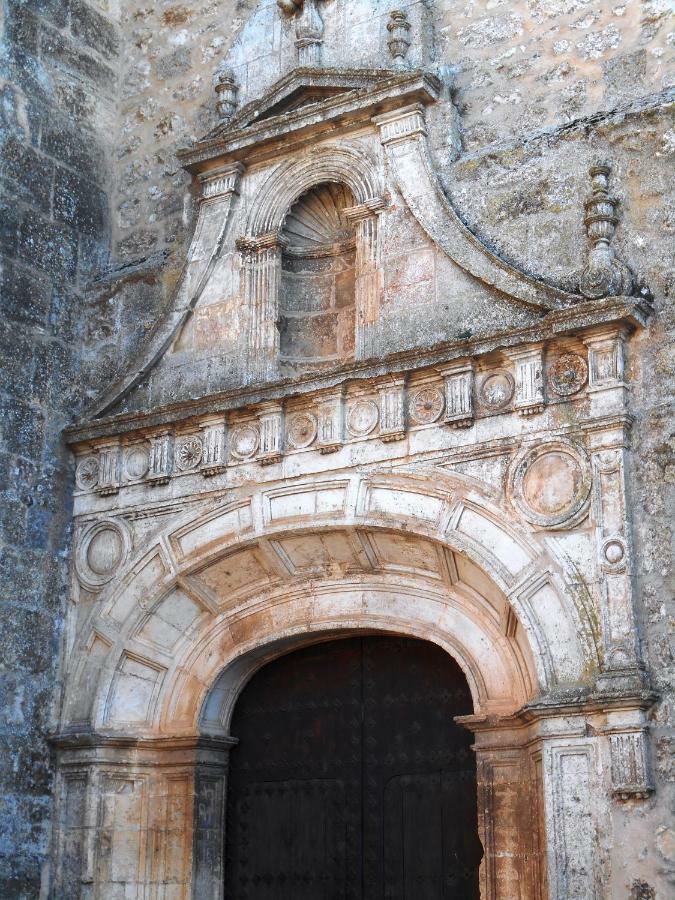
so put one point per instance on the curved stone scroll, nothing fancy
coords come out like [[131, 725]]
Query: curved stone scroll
[[403, 134], [218, 190]]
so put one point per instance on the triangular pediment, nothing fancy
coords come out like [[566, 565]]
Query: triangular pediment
[[310, 96]]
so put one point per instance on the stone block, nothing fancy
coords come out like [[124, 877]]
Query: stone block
[[51, 246], [93, 30], [79, 203], [24, 300], [81, 151], [61, 51]]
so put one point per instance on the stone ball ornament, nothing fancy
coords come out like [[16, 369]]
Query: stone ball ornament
[[102, 550], [549, 484]]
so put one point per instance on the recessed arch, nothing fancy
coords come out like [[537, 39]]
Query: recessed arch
[[289, 181], [406, 553]]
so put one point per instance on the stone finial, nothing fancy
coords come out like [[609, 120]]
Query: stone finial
[[399, 41], [309, 34], [605, 275], [289, 6], [226, 94]]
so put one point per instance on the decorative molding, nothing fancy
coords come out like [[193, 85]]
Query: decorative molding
[[605, 274], [137, 460], [496, 390], [221, 183], [244, 440], [86, 473], [403, 136], [188, 453], [362, 417], [605, 358], [331, 421], [301, 430]]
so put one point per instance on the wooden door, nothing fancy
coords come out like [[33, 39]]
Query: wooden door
[[351, 781]]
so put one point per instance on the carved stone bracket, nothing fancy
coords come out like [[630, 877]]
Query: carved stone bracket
[[529, 372], [161, 458], [630, 766], [271, 433], [109, 468], [392, 409], [213, 443], [331, 421], [458, 376]]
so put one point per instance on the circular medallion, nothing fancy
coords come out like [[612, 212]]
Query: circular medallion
[[244, 441], [568, 374], [302, 430], [426, 406], [362, 417], [101, 551], [189, 454], [496, 390], [550, 484], [613, 552], [137, 461], [86, 473]]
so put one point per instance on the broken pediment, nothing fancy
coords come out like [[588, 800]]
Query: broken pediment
[[326, 239]]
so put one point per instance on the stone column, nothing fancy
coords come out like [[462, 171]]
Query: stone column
[[369, 283], [128, 811], [262, 277]]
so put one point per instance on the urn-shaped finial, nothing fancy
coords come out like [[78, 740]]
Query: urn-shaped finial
[[605, 275], [399, 40], [309, 34], [226, 94]]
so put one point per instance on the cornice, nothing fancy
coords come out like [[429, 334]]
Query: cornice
[[366, 93], [631, 311]]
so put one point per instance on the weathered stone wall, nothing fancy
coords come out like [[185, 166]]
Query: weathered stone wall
[[58, 77]]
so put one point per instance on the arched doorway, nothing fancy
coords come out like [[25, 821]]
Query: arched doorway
[[351, 779]]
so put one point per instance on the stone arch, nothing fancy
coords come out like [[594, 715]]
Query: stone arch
[[391, 552], [343, 165]]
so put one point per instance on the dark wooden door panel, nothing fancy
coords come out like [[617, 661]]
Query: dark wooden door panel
[[351, 780]]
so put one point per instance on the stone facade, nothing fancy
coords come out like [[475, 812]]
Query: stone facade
[[363, 314]]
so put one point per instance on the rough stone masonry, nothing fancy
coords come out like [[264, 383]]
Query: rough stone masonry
[[324, 316]]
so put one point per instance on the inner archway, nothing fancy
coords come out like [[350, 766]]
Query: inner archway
[[351, 779]]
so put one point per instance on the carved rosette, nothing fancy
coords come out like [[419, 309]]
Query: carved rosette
[[550, 484], [568, 374], [86, 473], [426, 406], [189, 453], [605, 274]]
